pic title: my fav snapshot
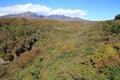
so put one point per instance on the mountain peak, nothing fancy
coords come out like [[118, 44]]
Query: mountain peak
[[28, 13]]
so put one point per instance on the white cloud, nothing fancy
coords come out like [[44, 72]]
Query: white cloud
[[41, 9], [68, 12]]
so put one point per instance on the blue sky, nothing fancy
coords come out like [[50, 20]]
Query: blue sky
[[89, 9]]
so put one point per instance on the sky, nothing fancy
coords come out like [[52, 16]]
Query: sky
[[95, 10]]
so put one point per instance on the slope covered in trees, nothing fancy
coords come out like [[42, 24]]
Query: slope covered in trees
[[54, 50]]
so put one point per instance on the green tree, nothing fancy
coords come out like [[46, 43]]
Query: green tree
[[117, 17]]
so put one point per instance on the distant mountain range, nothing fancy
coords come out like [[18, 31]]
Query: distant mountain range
[[35, 15]]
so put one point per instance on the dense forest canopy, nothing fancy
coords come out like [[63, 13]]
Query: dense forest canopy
[[37, 49]]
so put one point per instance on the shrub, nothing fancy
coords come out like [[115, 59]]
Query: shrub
[[115, 28], [8, 57], [28, 57], [3, 71], [88, 50], [112, 73], [117, 46]]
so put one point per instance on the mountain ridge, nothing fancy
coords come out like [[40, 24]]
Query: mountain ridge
[[35, 15]]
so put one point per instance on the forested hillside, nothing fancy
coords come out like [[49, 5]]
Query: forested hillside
[[37, 49]]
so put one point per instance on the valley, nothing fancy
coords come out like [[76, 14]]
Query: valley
[[50, 49]]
